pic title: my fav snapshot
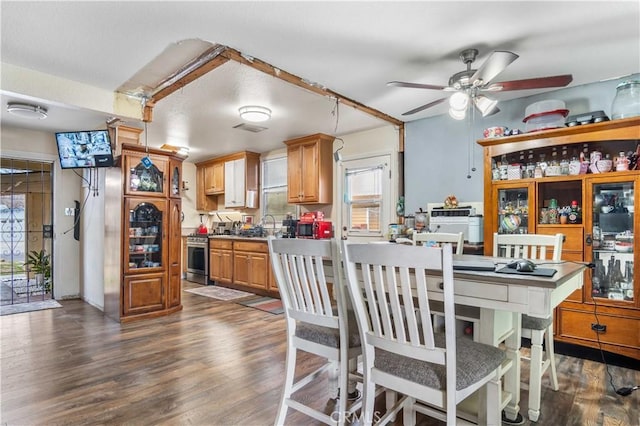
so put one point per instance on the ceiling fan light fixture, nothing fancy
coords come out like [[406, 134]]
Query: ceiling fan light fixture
[[485, 105], [457, 114], [255, 113], [459, 101], [27, 110]]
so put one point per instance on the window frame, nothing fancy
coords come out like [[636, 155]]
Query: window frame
[[265, 189]]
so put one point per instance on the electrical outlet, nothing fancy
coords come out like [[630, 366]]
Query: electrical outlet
[[69, 211]]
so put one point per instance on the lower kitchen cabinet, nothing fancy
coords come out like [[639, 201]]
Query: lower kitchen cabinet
[[251, 264], [221, 261], [243, 264]]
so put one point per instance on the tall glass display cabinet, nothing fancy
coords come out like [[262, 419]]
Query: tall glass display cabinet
[[143, 235], [579, 181]]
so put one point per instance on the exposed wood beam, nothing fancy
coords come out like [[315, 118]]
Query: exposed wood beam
[[192, 76], [297, 81], [226, 53]]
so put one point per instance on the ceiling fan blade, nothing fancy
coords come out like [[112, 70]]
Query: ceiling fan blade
[[532, 83], [494, 65], [415, 85], [425, 106]]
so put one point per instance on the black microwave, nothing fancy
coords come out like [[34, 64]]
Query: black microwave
[[305, 230]]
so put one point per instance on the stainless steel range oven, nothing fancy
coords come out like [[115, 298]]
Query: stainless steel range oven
[[198, 258]]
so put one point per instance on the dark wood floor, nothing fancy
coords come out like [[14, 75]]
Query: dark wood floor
[[214, 363]]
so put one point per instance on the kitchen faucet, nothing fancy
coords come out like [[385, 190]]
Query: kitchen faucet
[[262, 221]]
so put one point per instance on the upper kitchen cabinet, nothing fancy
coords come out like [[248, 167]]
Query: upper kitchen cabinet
[[235, 176], [241, 180], [310, 169], [214, 178]]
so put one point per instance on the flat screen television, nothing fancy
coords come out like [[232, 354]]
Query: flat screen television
[[84, 149]]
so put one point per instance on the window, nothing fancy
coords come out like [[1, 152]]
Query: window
[[274, 189], [366, 186]]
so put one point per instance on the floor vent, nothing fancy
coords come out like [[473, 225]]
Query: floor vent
[[250, 127]]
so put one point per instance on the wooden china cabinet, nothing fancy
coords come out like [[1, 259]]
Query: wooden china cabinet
[[143, 234], [599, 229]]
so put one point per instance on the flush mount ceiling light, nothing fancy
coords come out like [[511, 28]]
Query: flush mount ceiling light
[[255, 113], [27, 110]]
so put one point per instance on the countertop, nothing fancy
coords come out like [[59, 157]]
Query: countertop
[[237, 237]]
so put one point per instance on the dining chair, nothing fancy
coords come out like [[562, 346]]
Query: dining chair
[[432, 371], [466, 314], [440, 237], [317, 322], [538, 247]]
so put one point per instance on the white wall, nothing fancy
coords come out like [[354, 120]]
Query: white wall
[[41, 146], [92, 237]]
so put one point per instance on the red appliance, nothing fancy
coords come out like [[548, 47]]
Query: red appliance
[[311, 225], [322, 229]]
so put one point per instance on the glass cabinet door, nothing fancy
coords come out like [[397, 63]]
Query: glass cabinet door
[[513, 209], [145, 236], [612, 226], [145, 175]]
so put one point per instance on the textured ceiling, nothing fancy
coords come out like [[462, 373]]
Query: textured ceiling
[[352, 48]]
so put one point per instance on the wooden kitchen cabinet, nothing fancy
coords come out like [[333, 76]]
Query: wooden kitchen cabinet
[[236, 177], [241, 180], [251, 264], [243, 264], [606, 311], [204, 201], [221, 260], [143, 253], [310, 169], [214, 178]]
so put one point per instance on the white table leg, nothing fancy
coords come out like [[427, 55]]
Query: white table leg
[[493, 326], [512, 377]]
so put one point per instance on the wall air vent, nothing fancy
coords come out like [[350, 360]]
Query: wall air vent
[[250, 127]]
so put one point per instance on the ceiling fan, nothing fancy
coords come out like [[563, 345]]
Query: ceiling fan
[[468, 85]]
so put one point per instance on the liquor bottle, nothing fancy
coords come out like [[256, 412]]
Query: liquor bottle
[[543, 165], [598, 278], [618, 276], [627, 283], [574, 214], [564, 162]]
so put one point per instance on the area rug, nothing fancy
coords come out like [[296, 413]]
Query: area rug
[[29, 307], [267, 304], [220, 293]]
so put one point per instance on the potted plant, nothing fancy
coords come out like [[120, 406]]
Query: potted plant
[[39, 263]]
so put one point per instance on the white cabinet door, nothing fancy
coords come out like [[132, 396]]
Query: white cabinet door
[[234, 183]]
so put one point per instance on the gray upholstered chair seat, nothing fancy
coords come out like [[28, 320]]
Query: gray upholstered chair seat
[[535, 323], [474, 361], [329, 336]]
